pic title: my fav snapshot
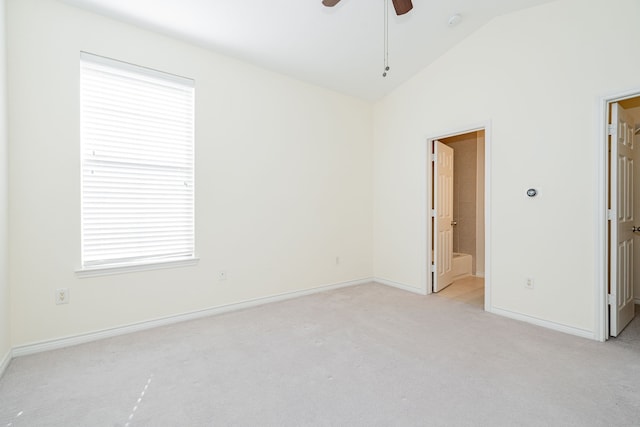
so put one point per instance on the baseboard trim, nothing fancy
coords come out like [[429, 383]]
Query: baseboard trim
[[4, 364], [38, 347], [398, 285], [544, 323]]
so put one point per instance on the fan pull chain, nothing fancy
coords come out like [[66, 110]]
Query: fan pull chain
[[386, 38]]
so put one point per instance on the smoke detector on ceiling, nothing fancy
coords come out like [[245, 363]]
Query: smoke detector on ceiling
[[454, 19]]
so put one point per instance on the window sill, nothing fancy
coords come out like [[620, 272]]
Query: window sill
[[122, 269]]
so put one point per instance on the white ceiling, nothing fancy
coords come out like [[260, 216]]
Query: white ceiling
[[340, 48]]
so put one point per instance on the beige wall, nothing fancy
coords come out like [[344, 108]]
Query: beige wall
[[283, 179], [468, 208], [5, 337], [539, 87], [464, 193], [480, 205]]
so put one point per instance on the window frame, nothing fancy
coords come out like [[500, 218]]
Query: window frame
[[118, 263]]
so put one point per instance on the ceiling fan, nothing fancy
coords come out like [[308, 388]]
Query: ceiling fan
[[401, 6]]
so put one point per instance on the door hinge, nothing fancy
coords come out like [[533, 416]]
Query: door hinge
[[610, 215], [433, 213], [612, 130], [433, 268], [610, 299], [434, 157]]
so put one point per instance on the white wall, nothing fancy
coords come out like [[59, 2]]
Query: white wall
[[5, 335], [539, 77], [283, 179]]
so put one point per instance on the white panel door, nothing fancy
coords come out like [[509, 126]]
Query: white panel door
[[621, 304], [443, 218]]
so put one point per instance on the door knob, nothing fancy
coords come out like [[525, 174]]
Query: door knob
[[635, 229], [454, 223]]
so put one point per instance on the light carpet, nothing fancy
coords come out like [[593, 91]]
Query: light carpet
[[368, 355]]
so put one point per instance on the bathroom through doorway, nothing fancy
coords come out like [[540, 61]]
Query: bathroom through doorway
[[458, 217]]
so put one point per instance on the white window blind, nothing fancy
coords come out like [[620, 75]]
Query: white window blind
[[137, 150]]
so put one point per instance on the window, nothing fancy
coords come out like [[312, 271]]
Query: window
[[137, 151]]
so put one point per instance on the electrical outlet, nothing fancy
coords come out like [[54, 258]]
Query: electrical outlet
[[529, 283], [62, 296], [222, 275]]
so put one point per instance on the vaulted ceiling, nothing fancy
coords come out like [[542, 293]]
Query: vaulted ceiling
[[341, 48]]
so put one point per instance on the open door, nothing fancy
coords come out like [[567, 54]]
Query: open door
[[621, 303], [443, 216]]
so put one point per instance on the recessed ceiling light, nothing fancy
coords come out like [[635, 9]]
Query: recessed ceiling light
[[454, 19]]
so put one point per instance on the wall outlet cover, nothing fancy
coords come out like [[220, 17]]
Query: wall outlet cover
[[62, 296]]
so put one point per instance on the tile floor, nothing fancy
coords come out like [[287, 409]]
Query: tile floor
[[469, 290]]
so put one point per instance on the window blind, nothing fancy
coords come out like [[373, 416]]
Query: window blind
[[137, 151]]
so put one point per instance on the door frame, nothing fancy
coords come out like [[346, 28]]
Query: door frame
[[601, 327], [427, 186]]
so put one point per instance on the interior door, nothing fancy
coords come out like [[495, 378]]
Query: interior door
[[443, 216], [621, 304]]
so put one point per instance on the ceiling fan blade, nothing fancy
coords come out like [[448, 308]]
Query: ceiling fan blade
[[401, 6], [330, 3]]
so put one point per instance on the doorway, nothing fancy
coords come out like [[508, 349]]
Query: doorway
[[621, 284], [458, 216]]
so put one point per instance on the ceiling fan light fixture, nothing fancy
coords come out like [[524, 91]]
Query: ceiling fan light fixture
[[401, 6]]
